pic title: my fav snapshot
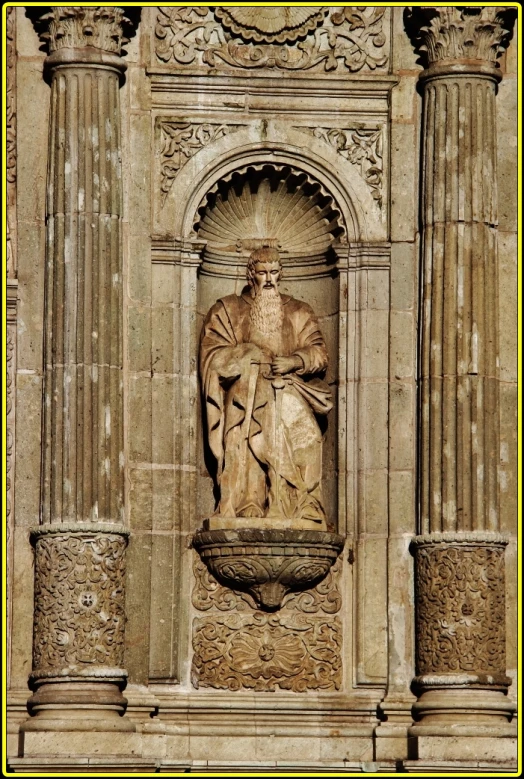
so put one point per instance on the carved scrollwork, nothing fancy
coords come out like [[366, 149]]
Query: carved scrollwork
[[460, 608], [362, 147], [352, 38], [179, 141], [259, 652], [79, 601], [208, 594]]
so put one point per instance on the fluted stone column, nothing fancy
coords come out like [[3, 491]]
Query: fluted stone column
[[78, 645], [459, 554]]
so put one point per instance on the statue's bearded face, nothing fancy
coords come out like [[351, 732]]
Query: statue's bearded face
[[265, 276]]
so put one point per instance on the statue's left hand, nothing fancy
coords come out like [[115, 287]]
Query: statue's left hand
[[282, 365]]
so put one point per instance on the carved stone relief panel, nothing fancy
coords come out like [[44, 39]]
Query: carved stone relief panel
[[460, 607], [236, 647], [79, 601], [349, 38], [362, 147], [179, 141]]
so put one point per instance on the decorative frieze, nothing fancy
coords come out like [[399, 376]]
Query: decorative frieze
[[361, 147], [349, 38], [79, 602], [460, 605], [460, 32], [179, 141]]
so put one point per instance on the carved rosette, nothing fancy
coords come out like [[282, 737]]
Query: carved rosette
[[460, 610], [236, 647], [453, 33], [262, 652], [79, 603], [347, 38]]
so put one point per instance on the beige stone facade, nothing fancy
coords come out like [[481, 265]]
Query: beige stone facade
[[150, 151]]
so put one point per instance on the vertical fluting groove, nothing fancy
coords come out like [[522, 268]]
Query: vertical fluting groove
[[82, 469], [459, 344]]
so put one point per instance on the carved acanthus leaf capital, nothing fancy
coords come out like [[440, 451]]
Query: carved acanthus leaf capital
[[106, 28], [459, 32]]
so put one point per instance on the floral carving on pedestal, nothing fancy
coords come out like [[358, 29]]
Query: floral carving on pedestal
[[350, 38], [259, 652], [79, 601], [237, 648], [460, 608], [362, 147], [458, 32], [179, 141]]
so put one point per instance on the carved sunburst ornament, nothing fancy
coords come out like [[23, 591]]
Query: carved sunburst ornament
[[271, 24]]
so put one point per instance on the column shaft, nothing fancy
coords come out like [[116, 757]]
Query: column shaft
[[459, 346], [83, 435]]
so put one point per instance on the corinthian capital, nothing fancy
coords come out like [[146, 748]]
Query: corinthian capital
[[101, 27], [454, 33]]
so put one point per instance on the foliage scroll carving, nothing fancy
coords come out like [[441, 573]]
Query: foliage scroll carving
[[79, 601], [350, 39], [261, 652], [460, 609], [237, 648]]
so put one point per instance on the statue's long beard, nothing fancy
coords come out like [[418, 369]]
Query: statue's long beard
[[266, 317]]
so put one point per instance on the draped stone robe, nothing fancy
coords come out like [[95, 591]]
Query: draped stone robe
[[262, 429]]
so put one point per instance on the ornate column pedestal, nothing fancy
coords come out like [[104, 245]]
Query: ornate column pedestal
[[459, 555], [78, 642]]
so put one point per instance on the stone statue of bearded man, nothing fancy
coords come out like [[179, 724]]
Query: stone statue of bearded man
[[262, 357]]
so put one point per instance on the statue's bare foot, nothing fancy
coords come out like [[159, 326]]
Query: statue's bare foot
[[250, 511]]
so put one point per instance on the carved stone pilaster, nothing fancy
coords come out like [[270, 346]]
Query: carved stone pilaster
[[80, 545], [460, 615]]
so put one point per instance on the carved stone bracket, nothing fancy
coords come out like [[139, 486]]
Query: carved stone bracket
[[362, 147], [351, 38], [179, 141], [268, 563]]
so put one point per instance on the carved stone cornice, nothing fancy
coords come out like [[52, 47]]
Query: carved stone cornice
[[445, 35], [107, 28]]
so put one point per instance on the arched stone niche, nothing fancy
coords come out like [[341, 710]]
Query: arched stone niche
[[347, 283], [268, 204]]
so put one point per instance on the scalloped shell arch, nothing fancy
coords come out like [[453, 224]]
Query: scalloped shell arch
[[279, 208], [271, 24]]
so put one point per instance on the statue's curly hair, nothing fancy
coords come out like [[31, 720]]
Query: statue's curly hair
[[264, 254]]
